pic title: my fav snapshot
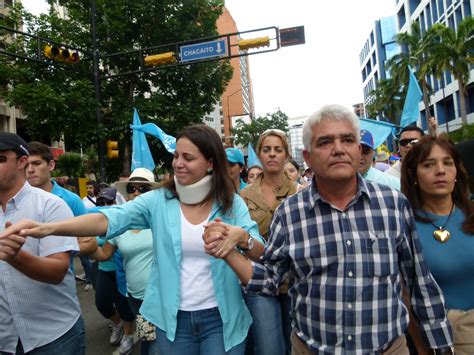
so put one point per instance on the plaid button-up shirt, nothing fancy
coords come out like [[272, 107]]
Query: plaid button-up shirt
[[346, 268]]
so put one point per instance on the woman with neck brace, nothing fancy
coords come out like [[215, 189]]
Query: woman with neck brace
[[194, 300]]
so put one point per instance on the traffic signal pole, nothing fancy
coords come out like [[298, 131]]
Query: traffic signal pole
[[95, 61]]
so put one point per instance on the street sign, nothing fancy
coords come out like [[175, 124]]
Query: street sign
[[205, 50], [292, 36]]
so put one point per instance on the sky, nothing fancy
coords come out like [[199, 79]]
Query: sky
[[300, 79]]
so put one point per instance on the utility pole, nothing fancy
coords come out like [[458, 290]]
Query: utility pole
[[95, 61]]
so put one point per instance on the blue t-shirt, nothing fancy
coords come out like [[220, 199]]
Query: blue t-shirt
[[73, 201], [451, 263]]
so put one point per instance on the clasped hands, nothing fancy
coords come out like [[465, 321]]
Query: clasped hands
[[220, 238], [14, 236]]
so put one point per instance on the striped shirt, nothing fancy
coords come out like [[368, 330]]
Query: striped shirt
[[346, 268], [35, 312]]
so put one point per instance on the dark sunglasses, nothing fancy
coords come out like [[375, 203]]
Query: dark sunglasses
[[4, 158], [141, 189], [366, 150], [405, 142], [102, 203]]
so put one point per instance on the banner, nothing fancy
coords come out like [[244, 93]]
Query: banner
[[411, 113], [152, 129], [141, 155], [252, 159], [380, 130]]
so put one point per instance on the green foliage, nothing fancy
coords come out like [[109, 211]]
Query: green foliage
[[246, 133], [69, 164], [464, 133], [62, 102], [387, 101]]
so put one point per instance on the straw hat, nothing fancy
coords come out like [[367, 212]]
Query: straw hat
[[139, 175]]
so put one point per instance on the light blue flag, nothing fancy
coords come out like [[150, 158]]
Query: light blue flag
[[152, 129], [252, 159], [380, 130], [411, 112], [141, 155]]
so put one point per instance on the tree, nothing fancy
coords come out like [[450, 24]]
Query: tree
[[454, 53], [387, 101], [59, 102], [245, 133], [417, 54]]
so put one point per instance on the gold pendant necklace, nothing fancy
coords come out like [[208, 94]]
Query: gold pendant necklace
[[441, 234]]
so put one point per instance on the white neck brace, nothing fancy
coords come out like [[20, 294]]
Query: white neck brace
[[195, 193]]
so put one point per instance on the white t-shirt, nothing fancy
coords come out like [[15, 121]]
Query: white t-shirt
[[197, 288], [87, 201]]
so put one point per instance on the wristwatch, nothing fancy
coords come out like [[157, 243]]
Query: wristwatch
[[448, 350], [249, 244]]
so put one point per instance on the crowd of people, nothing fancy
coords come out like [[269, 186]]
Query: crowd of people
[[347, 257]]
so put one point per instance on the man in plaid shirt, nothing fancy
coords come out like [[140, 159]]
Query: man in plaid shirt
[[346, 244]]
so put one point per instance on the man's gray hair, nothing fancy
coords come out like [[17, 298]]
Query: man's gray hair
[[332, 112]]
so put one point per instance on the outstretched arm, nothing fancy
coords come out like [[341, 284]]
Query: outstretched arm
[[82, 226]]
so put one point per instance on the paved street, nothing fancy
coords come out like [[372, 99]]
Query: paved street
[[97, 330]]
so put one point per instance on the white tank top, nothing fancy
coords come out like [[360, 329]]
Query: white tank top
[[197, 288]]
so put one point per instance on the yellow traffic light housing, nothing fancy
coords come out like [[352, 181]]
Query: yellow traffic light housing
[[160, 59], [61, 54], [112, 149], [245, 44]]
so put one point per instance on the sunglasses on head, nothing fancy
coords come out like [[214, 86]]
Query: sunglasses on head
[[102, 203], [141, 189], [274, 131], [406, 141], [4, 158]]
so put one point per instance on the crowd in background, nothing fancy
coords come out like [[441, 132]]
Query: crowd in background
[[352, 253]]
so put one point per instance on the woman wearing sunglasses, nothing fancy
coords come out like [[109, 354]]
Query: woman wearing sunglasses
[[194, 300], [135, 246], [436, 184]]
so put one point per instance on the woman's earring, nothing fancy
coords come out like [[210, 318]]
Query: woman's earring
[[455, 180], [209, 171], [416, 183]]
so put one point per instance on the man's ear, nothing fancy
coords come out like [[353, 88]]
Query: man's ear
[[51, 165]]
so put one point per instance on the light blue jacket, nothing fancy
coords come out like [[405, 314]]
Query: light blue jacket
[[160, 212]]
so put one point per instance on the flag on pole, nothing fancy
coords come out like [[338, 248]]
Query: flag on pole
[[141, 155], [152, 129], [411, 112], [252, 159]]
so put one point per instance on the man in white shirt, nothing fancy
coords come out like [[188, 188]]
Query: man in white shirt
[[39, 309]]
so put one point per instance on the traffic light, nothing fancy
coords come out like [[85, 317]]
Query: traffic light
[[112, 149], [160, 59], [245, 44], [61, 54]]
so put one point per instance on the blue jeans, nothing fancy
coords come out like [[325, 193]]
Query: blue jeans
[[266, 333], [198, 332], [71, 343]]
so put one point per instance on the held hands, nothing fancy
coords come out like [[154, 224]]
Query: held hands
[[26, 228], [220, 238], [87, 245], [10, 245]]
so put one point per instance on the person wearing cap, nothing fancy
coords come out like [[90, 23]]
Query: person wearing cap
[[366, 168], [109, 301], [271, 327], [39, 308], [136, 248], [38, 173], [347, 244], [236, 164], [195, 301]]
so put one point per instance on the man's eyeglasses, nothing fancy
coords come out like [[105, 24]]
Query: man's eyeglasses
[[4, 158], [102, 203], [406, 141], [141, 189]]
